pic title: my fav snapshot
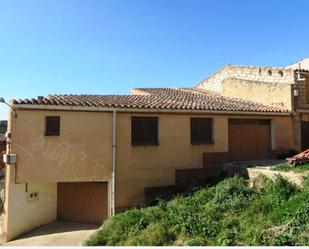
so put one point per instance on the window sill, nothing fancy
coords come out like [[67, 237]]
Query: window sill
[[144, 145], [203, 143]]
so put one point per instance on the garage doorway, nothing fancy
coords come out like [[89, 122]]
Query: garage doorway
[[249, 139], [82, 202], [304, 135]]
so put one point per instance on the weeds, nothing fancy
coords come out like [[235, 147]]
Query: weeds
[[285, 167]]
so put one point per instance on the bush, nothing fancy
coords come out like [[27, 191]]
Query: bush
[[288, 209], [232, 193], [281, 167], [155, 234], [279, 190], [183, 215], [297, 169], [116, 230], [197, 241]]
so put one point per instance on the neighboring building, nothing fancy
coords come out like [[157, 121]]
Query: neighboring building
[[2, 151], [286, 87], [2, 139], [3, 126], [80, 157]]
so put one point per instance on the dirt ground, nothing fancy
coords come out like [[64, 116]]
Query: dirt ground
[[56, 234]]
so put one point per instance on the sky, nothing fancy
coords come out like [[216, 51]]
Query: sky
[[111, 46]]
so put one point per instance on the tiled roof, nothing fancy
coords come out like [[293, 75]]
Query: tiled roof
[[155, 98]]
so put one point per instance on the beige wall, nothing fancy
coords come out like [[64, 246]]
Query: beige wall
[[275, 94], [83, 152], [148, 166], [284, 133], [140, 167], [22, 214]]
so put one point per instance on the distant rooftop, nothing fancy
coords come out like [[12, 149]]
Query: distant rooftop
[[302, 64]]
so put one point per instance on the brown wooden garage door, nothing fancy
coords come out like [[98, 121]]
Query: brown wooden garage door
[[84, 202], [249, 139]]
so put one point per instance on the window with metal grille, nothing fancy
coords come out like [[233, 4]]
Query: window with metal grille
[[52, 126], [202, 131], [144, 131]]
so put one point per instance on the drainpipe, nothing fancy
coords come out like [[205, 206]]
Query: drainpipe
[[113, 164], [298, 116]]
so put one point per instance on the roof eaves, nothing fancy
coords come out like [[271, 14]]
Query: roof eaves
[[137, 108]]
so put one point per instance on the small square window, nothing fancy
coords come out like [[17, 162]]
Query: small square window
[[52, 126], [144, 131], [202, 131]]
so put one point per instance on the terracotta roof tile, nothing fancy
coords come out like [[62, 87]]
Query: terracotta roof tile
[[155, 98]]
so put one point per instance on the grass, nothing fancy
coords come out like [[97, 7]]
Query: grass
[[228, 213], [298, 169]]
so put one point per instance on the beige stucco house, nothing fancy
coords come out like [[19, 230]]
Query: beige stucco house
[[81, 158]]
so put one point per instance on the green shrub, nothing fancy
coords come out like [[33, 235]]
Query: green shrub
[[301, 168], [232, 193], [281, 167], [284, 239], [183, 215], [289, 208], [226, 238], [279, 190], [298, 223], [124, 225], [117, 229], [197, 241], [204, 195], [296, 169], [155, 234]]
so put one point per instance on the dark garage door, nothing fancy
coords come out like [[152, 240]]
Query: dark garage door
[[249, 139], [305, 135], [84, 202]]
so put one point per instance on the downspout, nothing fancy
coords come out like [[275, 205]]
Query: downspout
[[113, 164], [297, 117]]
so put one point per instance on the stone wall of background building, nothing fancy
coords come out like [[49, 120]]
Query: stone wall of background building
[[303, 92], [274, 94], [258, 74]]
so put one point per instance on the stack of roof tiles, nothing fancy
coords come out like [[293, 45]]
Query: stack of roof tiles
[[155, 98]]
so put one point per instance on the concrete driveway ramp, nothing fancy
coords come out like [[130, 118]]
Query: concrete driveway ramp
[[56, 234]]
